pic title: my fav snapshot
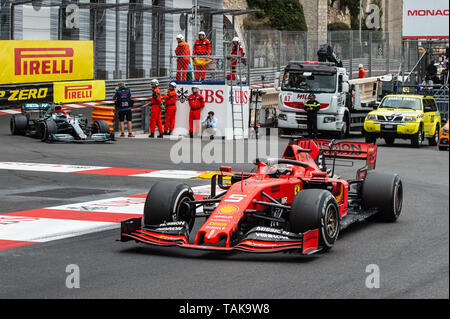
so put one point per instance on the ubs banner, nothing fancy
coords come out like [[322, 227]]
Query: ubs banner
[[25, 61], [30, 93], [217, 99]]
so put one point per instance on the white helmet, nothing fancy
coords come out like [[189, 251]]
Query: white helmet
[[155, 82], [180, 36], [361, 66], [202, 33], [236, 39], [173, 84]]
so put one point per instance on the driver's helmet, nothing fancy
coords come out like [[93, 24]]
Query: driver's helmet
[[59, 116], [279, 170]]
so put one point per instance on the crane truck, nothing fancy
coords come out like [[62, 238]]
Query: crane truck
[[344, 103]]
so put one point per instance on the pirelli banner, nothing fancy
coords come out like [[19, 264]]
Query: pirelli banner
[[29, 93], [25, 61], [58, 93], [80, 91]]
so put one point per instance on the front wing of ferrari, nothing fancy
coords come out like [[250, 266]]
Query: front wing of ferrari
[[257, 240]]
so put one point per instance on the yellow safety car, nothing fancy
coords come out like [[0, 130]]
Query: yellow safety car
[[413, 117]]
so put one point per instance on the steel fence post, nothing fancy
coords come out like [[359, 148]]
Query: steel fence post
[[388, 53], [279, 51], [370, 52], [305, 45], [249, 52], [351, 53]]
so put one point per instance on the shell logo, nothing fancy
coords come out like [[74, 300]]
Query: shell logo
[[228, 209]]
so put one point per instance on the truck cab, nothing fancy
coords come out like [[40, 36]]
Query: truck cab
[[330, 85]]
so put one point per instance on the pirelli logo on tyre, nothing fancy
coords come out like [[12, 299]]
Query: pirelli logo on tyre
[[25, 61], [80, 91]]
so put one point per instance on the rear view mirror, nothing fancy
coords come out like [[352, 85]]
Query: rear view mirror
[[345, 87]]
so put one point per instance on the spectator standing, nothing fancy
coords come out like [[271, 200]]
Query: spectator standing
[[124, 104], [182, 52], [312, 107], [155, 113], [431, 69], [170, 100], [362, 72], [238, 52], [196, 103], [202, 48]]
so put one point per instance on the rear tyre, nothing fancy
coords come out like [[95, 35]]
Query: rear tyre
[[18, 124], [316, 209], [47, 128], [433, 141], [383, 191], [100, 126], [168, 202]]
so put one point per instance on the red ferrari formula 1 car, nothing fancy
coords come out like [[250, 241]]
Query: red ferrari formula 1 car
[[295, 203]]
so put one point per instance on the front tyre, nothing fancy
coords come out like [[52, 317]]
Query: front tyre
[[47, 128], [316, 209], [169, 202], [384, 192], [100, 126]]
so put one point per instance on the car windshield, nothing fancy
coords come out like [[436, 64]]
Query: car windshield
[[317, 82], [399, 102]]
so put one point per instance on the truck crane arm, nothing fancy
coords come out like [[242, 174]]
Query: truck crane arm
[[326, 54]]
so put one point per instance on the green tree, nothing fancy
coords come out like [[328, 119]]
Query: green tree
[[281, 14]]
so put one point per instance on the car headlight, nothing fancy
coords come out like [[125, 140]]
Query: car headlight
[[409, 118], [282, 117], [372, 117]]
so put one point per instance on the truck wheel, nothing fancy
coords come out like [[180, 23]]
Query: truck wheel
[[383, 191], [169, 202], [316, 209], [47, 128], [345, 131], [18, 124], [433, 141], [417, 139], [100, 126]]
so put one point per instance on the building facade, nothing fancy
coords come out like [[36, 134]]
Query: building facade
[[132, 38]]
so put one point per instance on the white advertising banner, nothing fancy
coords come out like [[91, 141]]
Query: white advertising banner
[[217, 99], [425, 19]]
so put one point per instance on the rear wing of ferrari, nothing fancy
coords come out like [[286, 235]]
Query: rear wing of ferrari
[[344, 150]]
